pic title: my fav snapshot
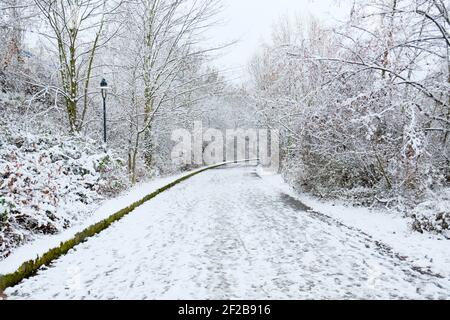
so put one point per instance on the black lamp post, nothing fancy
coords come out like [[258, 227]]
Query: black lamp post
[[104, 89]]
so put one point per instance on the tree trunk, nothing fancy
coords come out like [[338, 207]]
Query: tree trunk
[[390, 38]]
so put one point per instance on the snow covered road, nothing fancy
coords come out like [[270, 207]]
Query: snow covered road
[[228, 234]]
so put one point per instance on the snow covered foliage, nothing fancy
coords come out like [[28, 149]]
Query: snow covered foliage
[[50, 181], [364, 108], [433, 215]]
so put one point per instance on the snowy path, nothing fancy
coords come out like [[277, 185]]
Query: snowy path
[[228, 234]]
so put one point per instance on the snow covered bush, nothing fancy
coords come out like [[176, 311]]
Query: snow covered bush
[[363, 114], [49, 182], [433, 215]]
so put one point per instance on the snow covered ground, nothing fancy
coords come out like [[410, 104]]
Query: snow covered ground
[[43, 243], [427, 251], [232, 233]]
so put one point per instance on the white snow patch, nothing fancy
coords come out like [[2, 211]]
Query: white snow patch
[[424, 250]]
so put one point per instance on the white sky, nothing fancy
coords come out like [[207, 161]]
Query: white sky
[[251, 22]]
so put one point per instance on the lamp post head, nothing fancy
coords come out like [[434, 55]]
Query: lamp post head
[[104, 88]]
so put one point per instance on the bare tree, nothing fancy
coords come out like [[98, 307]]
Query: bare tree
[[162, 37], [76, 35]]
